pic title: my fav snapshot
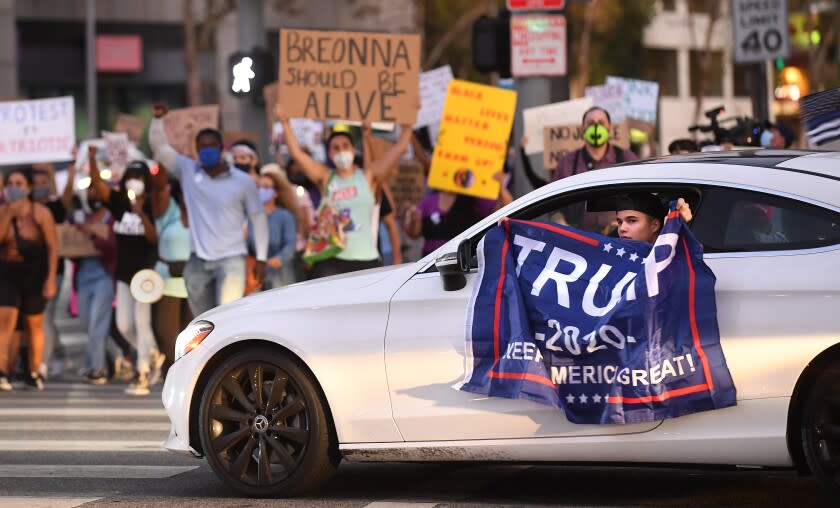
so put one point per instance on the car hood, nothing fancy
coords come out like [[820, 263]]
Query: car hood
[[364, 286]]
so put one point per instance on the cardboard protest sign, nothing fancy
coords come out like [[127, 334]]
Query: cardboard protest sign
[[73, 243], [116, 150], [641, 98], [473, 138], [42, 130], [433, 85], [349, 75], [610, 97], [559, 113], [561, 139], [132, 125], [408, 183], [183, 124]]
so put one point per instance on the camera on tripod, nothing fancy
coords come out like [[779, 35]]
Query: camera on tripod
[[745, 132]]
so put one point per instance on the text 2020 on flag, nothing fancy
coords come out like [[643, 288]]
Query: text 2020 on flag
[[609, 330]]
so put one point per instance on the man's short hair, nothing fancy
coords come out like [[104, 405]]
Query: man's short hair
[[644, 202], [596, 108], [209, 132], [682, 144]]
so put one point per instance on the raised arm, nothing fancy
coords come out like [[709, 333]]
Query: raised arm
[[161, 149], [313, 169], [420, 153], [380, 167], [67, 195], [96, 180]]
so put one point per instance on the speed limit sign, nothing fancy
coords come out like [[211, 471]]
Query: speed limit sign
[[760, 29]]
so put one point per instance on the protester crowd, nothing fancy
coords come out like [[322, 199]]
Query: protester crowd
[[222, 225]]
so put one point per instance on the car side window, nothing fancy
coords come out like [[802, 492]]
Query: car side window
[[737, 220]]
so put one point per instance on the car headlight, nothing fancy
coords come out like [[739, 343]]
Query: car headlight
[[191, 337]]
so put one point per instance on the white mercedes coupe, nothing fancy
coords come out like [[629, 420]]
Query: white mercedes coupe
[[277, 388]]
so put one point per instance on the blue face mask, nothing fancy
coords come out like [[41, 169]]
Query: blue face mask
[[766, 138], [209, 157]]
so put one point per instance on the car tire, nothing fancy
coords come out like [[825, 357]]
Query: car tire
[[276, 443], [820, 428]]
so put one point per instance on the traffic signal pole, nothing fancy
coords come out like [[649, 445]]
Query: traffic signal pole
[[251, 29]]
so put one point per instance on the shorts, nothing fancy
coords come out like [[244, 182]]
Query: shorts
[[22, 287]]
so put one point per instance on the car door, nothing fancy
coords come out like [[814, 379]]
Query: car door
[[425, 356], [775, 259]]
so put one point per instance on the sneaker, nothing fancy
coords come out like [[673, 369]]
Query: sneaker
[[156, 374], [123, 369], [97, 377], [33, 382], [5, 385], [140, 386]]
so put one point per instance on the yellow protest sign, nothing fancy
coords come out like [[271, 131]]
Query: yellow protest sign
[[472, 142], [349, 75]]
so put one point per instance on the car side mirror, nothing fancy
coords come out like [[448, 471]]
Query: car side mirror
[[451, 275]]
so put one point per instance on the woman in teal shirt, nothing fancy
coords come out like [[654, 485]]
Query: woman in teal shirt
[[350, 188]]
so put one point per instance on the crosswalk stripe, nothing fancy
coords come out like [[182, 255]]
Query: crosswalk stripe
[[73, 411], [44, 502], [51, 425], [81, 471], [49, 445]]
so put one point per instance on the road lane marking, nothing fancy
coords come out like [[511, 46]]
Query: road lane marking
[[44, 502], [81, 411], [92, 425], [48, 445], [120, 472]]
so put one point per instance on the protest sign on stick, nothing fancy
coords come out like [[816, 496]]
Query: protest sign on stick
[[641, 98], [349, 75], [433, 85], [610, 97], [116, 149], [40, 130], [183, 124], [473, 138], [559, 113], [73, 243], [132, 125], [408, 183], [558, 140]]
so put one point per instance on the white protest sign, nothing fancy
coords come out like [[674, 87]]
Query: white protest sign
[[308, 133], [433, 86], [609, 97], [760, 30], [559, 113], [116, 149], [40, 130], [641, 98]]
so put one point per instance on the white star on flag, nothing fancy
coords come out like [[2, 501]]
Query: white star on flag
[[606, 398], [570, 398], [620, 252], [634, 257], [583, 398], [607, 247], [596, 398], [644, 261]]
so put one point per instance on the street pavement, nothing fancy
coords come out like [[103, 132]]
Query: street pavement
[[80, 445]]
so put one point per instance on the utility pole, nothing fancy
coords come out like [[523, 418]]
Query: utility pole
[[90, 67], [534, 91], [249, 17]]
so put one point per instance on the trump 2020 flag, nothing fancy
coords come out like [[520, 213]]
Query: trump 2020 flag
[[609, 330]]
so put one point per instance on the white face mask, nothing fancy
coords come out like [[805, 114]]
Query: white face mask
[[137, 187], [343, 159]]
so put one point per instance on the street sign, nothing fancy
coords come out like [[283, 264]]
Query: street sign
[[760, 30], [536, 5], [538, 45]]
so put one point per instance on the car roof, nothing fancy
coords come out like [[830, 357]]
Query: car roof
[[818, 163]]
